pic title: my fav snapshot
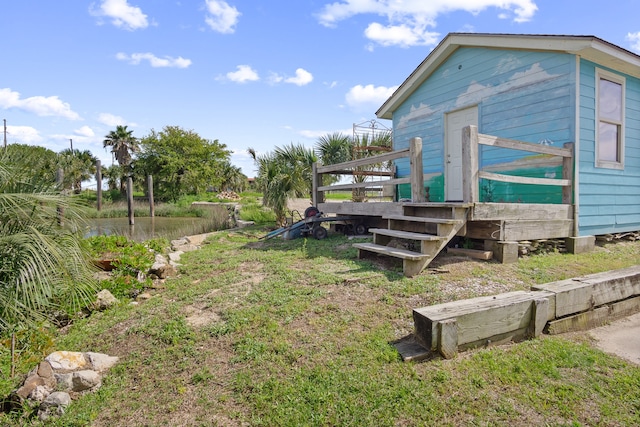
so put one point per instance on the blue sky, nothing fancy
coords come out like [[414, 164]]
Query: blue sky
[[248, 73]]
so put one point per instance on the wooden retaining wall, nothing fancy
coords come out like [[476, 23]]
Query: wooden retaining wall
[[567, 305]]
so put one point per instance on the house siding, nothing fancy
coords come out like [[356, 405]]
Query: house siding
[[609, 198], [524, 95]]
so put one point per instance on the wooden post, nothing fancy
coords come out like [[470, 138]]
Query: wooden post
[[98, 185], [316, 181], [470, 164], [417, 172], [567, 173], [130, 199], [152, 209], [60, 182]]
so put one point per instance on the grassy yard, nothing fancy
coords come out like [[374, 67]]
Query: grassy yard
[[291, 333]]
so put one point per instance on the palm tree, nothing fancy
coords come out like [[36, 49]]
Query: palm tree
[[284, 174], [78, 166], [331, 149], [123, 144], [232, 178], [43, 267]]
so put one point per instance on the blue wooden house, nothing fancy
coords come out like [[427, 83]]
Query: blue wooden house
[[522, 137]]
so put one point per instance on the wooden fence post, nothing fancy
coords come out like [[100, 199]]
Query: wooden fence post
[[130, 200], [152, 209], [470, 164], [567, 173], [316, 180], [98, 185], [417, 172]]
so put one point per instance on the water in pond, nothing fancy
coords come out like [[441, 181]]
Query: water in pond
[[146, 228]]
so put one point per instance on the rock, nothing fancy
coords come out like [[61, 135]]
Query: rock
[[45, 370], [143, 296], [65, 361], [39, 393], [54, 405], [101, 362], [64, 382], [85, 380], [162, 271], [160, 259], [187, 248], [175, 256], [105, 300], [179, 242], [28, 386]]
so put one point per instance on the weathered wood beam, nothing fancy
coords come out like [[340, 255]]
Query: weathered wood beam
[[371, 160], [524, 179], [370, 184], [523, 146]]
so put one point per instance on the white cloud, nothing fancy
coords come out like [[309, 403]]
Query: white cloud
[[400, 35], [367, 95], [39, 105], [85, 131], [408, 21], [634, 38], [154, 61], [111, 120], [221, 17], [122, 14], [23, 135], [303, 77], [244, 74]]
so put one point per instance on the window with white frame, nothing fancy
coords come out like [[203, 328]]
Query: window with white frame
[[610, 92]]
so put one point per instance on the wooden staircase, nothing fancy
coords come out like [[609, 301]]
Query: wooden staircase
[[424, 228]]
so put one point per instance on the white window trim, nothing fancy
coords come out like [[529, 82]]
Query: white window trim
[[616, 78]]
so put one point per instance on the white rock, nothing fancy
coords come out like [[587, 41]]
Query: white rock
[[101, 362], [105, 299], [64, 382], [85, 380], [39, 393], [67, 360]]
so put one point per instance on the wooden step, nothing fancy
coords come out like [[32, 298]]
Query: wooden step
[[423, 219], [392, 252], [404, 234]]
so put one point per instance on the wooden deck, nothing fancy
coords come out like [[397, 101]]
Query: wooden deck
[[434, 225], [485, 221]]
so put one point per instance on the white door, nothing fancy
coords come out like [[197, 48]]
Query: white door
[[455, 121]]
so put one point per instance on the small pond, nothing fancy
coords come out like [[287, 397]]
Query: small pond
[[146, 228]]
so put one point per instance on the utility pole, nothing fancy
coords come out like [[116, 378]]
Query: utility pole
[[5, 133], [71, 142]]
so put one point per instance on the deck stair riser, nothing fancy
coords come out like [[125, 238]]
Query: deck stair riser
[[430, 225], [428, 243]]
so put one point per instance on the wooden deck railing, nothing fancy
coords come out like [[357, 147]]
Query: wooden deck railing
[[471, 139], [416, 178]]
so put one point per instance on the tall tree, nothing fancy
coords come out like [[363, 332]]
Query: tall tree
[[232, 178], [78, 166], [123, 145], [181, 162]]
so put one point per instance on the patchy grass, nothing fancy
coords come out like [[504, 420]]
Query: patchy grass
[[291, 333]]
